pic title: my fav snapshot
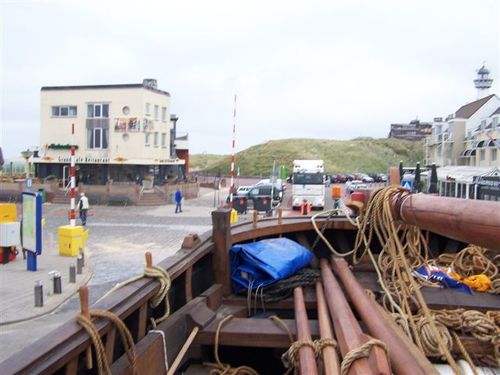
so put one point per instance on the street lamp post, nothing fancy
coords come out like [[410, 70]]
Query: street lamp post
[[27, 155]]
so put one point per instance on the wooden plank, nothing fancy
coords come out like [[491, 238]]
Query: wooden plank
[[150, 358], [268, 227], [262, 333], [188, 284], [72, 367], [222, 240], [110, 344], [143, 317]]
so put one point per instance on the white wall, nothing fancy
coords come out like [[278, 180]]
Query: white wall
[[131, 147]]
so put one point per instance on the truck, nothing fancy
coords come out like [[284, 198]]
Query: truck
[[308, 183]]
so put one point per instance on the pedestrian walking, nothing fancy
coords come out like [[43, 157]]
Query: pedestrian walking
[[178, 200], [83, 207]]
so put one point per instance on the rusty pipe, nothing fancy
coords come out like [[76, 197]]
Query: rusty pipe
[[330, 359], [466, 220], [307, 360], [402, 360], [347, 330]]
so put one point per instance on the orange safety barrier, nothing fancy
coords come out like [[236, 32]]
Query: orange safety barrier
[[305, 207]]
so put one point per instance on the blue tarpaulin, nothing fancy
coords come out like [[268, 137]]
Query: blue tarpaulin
[[264, 262]]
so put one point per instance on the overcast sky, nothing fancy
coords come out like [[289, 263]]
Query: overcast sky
[[314, 69]]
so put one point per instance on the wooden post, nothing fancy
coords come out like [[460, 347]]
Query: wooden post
[[149, 259], [222, 239], [254, 221], [394, 177], [84, 306]]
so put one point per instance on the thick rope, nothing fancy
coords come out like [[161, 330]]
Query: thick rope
[[219, 368], [404, 248], [362, 352], [102, 362], [126, 338], [162, 295]]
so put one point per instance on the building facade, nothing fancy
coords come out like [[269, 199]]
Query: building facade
[[414, 131], [470, 136], [121, 133]]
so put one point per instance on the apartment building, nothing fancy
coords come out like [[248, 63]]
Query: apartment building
[[121, 133], [413, 131], [470, 136]]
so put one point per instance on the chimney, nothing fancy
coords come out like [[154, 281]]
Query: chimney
[[149, 82]]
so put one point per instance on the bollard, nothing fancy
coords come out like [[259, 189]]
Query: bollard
[[57, 283], [79, 264], [50, 284], [38, 293], [72, 273], [83, 256]]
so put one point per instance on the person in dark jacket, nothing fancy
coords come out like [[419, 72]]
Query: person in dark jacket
[[178, 200]]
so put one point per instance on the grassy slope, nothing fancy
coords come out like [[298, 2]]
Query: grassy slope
[[358, 155]]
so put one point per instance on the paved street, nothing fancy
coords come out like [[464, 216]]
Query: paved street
[[118, 239]]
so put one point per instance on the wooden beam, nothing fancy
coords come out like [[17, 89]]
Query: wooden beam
[[222, 240], [261, 333]]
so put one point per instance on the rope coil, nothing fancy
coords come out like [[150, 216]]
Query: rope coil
[[162, 295], [126, 338]]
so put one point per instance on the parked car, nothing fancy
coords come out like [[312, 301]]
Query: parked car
[[243, 190], [354, 185], [259, 193], [366, 178]]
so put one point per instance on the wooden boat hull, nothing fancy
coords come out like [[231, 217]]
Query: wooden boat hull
[[201, 294]]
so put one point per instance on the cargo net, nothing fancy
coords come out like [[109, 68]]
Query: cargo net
[[279, 290], [404, 250]]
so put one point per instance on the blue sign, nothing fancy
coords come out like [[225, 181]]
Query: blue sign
[[31, 233], [407, 184], [29, 182]]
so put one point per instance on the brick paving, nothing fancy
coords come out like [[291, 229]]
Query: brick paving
[[118, 239]]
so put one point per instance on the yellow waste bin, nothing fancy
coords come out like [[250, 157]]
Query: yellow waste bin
[[8, 212], [71, 240], [234, 216]]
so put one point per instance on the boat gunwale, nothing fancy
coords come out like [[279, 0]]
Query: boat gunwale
[[70, 340]]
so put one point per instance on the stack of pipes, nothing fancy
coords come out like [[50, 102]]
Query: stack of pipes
[[400, 356]]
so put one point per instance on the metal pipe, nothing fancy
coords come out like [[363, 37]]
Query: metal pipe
[[465, 220], [402, 361], [330, 359], [307, 359], [347, 330]]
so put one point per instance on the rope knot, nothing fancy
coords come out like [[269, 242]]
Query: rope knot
[[362, 352], [162, 295]]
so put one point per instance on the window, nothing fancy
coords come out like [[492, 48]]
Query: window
[[494, 154], [97, 138], [482, 154], [156, 139], [163, 139], [157, 113], [98, 110], [164, 114], [146, 139], [148, 109], [64, 111]]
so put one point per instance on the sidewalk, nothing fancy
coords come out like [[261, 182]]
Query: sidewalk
[[17, 285]]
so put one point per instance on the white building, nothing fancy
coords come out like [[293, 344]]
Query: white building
[[470, 136], [121, 133]]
